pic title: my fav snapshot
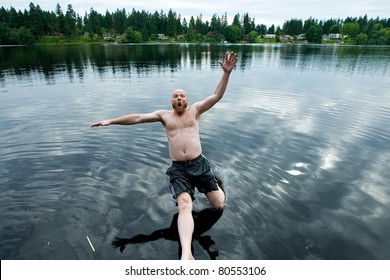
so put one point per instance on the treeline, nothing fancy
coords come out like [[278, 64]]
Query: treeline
[[359, 31], [33, 25]]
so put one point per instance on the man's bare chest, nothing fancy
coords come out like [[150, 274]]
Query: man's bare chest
[[185, 121]]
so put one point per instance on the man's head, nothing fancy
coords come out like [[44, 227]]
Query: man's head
[[179, 101]]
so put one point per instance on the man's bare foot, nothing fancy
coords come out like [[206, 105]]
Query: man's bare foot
[[187, 257]]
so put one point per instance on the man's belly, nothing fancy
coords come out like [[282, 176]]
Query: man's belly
[[184, 151]]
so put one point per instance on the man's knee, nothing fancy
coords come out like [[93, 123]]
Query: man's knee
[[219, 205], [217, 199], [221, 195], [184, 201]]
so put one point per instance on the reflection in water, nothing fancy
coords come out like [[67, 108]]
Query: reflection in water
[[143, 59], [203, 222]]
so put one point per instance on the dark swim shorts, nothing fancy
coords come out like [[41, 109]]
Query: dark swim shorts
[[185, 176]]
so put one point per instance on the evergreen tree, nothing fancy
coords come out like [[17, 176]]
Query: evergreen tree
[[185, 25], [330, 26], [120, 21], [271, 29], [179, 26], [171, 25], [162, 23], [35, 18], [248, 24], [70, 21], [60, 26], [200, 26], [4, 14], [293, 27], [108, 21], [236, 20], [14, 20], [79, 23], [93, 24], [309, 23], [261, 29], [191, 32]]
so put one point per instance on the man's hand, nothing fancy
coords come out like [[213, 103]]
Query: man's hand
[[102, 123], [230, 61]]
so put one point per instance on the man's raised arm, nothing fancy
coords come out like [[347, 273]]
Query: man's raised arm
[[132, 119], [227, 66]]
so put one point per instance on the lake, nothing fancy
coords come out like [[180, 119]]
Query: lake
[[301, 140]]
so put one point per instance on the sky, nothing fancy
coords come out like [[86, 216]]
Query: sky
[[264, 12]]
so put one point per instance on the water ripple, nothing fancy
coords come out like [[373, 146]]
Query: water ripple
[[300, 139]]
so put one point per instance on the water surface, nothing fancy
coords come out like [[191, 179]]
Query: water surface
[[301, 140]]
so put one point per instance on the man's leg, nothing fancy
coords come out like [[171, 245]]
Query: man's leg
[[185, 224], [216, 198]]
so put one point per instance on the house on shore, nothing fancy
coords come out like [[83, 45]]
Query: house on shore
[[162, 37], [269, 36]]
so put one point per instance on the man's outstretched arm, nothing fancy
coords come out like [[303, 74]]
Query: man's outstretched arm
[[132, 119], [227, 66]]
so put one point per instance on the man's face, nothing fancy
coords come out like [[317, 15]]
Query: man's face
[[179, 101]]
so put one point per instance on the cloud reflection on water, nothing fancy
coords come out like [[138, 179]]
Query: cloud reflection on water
[[301, 139]]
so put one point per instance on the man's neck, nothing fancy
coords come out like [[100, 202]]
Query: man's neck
[[180, 113]]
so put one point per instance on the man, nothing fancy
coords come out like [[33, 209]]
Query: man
[[189, 167]]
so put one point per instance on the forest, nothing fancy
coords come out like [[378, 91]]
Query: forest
[[35, 26]]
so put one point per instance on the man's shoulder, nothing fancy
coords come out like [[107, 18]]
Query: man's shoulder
[[196, 104], [164, 115]]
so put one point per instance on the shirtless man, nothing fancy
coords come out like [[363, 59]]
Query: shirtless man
[[189, 167]]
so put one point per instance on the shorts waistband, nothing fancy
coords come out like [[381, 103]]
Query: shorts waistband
[[188, 162]]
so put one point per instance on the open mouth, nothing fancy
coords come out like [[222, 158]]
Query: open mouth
[[179, 105]]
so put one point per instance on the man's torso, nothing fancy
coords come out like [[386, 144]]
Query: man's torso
[[183, 134]]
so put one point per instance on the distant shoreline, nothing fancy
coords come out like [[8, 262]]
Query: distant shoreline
[[74, 40]]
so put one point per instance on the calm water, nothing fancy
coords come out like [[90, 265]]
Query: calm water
[[301, 139]]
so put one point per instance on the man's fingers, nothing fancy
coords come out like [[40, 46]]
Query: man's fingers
[[101, 123], [230, 58], [234, 56]]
